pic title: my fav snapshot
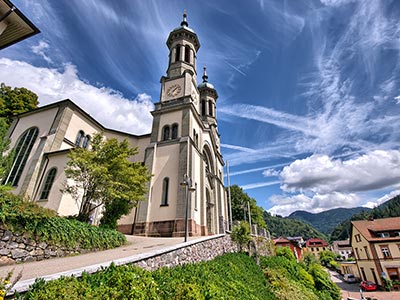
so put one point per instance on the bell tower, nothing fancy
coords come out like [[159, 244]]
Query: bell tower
[[184, 143], [180, 80]]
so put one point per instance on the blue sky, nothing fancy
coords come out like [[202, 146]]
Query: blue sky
[[308, 106]]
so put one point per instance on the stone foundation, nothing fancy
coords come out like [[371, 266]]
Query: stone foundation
[[171, 228]]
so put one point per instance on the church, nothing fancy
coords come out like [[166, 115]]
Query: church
[[183, 147]]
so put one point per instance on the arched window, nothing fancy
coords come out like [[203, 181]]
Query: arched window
[[203, 107], [86, 142], [210, 108], [174, 134], [22, 151], [51, 175], [187, 54], [164, 199], [165, 133], [79, 138], [178, 53]]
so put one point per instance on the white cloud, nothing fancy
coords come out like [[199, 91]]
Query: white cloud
[[285, 205], [321, 174], [40, 50], [270, 173], [372, 204], [107, 106]]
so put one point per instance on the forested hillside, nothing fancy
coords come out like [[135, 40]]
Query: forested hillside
[[390, 208], [279, 226], [327, 220]]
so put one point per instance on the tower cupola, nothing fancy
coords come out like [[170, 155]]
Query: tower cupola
[[183, 45]]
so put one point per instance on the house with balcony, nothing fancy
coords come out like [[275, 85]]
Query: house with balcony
[[376, 247]]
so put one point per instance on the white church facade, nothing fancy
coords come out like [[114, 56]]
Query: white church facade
[[184, 140]]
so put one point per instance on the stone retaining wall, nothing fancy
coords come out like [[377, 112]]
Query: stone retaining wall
[[17, 247], [192, 253]]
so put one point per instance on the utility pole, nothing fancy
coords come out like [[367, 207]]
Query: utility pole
[[229, 197]]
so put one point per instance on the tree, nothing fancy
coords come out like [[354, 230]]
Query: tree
[[239, 201], [6, 159], [16, 101], [241, 235], [106, 177], [326, 257]]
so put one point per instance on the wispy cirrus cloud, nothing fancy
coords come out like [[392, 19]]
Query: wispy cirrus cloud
[[259, 185]]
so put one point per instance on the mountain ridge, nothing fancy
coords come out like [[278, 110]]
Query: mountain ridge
[[327, 220]]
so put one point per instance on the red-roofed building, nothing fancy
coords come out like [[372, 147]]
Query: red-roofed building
[[376, 246], [316, 245], [292, 244]]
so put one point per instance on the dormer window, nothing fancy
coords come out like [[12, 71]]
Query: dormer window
[[384, 234]]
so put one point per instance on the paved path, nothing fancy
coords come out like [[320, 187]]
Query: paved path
[[136, 246]]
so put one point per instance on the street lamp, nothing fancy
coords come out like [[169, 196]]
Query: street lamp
[[187, 183]]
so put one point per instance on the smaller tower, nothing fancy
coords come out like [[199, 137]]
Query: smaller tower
[[208, 96]]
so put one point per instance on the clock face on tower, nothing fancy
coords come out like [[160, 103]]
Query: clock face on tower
[[174, 90]]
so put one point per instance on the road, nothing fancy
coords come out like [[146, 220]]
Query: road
[[352, 290]]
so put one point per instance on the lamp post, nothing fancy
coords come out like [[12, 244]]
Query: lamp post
[[187, 183]]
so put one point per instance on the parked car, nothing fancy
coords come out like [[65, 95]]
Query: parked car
[[368, 286], [349, 278]]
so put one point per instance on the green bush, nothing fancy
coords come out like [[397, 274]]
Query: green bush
[[230, 277], [43, 225], [241, 235], [297, 279]]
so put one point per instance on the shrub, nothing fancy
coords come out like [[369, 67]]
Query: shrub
[[241, 234], [43, 225], [230, 277]]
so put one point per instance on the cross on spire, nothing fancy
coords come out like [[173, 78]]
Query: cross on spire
[[184, 21]]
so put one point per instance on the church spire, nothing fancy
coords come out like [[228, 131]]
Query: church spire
[[184, 21], [205, 76]]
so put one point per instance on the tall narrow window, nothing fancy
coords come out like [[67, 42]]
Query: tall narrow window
[[51, 175], [210, 108], [86, 142], [166, 133], [164, 199], [178, 53], [203, 107], [195, 196], [79, 138], [174, 134], [187, 54], [22, 151]]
